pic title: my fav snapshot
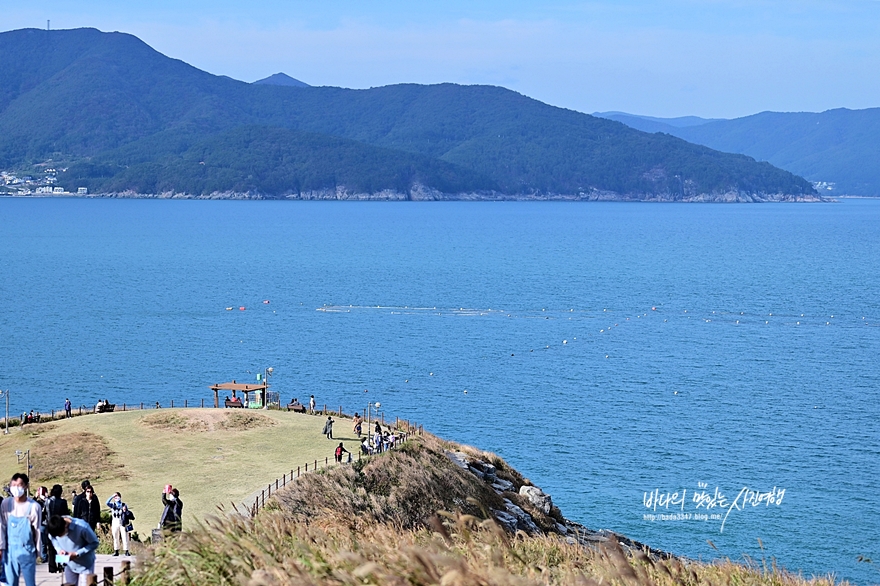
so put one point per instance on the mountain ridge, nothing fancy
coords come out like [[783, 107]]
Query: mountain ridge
[[110, 101], [837, 146]]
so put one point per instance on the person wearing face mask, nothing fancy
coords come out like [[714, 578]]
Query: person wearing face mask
[[20, 520], [171, 517], [118, 515]]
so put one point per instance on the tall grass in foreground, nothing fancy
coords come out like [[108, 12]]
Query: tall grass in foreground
[[461, 550]]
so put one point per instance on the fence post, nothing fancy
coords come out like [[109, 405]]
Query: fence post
[[276, 485], [124, 572], [270, 489], [316, 466], [325, 409], [108, 575], [326, 461], [91, 580], [142, 406], [297, 471], [185, 403], [123, 406], [172, 403], [203, 403]]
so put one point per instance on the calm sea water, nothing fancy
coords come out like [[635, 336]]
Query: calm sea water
[[607, 350]]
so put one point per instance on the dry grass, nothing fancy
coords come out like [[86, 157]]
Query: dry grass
[[72, 457], [241, 420], [174, 421], [386, 522]]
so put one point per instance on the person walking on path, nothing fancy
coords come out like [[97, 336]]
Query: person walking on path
[[340, 449], [55, 507], [119, 514], [312, 404], [172, 515], [86, 506], [68, 407], [358, 422], [20, 519], [73, 538], [328, 428]]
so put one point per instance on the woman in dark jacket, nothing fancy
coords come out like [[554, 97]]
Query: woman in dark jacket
[[171, 516]]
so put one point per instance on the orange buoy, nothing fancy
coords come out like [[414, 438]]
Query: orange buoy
[[241, 308]]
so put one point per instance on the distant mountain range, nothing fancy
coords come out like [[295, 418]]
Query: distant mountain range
[[123, 118], [839, 147]]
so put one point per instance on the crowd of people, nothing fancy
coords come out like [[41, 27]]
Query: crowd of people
[[46, 528], [375, 443]]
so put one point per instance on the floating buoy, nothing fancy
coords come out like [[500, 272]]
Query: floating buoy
[[465, 391], [266, 302], [653, 309], [606, 356], [431, 374], [241, 308]]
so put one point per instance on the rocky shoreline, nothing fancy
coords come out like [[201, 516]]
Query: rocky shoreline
[[545, 516], [419, 193]]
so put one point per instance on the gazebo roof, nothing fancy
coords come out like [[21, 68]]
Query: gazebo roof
[[234, 386]]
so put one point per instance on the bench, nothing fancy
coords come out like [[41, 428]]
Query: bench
[[234, 403], [296, 407], [106, 408]]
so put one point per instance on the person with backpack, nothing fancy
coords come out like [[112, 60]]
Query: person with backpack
[[119, 519], [55, 507], [340, 449]]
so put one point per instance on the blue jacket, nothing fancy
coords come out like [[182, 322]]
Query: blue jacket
[[79, 539]]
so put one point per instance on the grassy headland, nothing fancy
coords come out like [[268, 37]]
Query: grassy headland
[[429, 512], [215, 457]]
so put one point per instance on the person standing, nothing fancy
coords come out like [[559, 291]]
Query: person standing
[[340, 449], [356, 424], [118, 520], [55, 507], [328, 428], [172, 515], [74, 538], [68, 407], [87, 506], [312, 404], [20, 519]]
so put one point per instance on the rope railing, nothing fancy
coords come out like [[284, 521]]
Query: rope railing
[[109, 576], [409, 428]]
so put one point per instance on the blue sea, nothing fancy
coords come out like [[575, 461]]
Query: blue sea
[[645, 364]]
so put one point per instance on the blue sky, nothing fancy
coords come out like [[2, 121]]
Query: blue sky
[[713, 58]]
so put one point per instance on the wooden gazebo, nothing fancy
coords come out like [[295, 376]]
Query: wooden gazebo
[[242, 387]]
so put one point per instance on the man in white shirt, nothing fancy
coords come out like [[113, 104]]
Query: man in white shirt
[[20, 520]]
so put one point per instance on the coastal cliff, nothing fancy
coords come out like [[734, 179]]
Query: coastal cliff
[[428, 512]]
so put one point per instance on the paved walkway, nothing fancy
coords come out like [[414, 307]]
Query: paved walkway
[[44, 578]]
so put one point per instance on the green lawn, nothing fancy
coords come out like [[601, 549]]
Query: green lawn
[[190, 449]]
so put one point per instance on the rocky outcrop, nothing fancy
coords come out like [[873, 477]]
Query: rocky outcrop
[[519, 495]]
